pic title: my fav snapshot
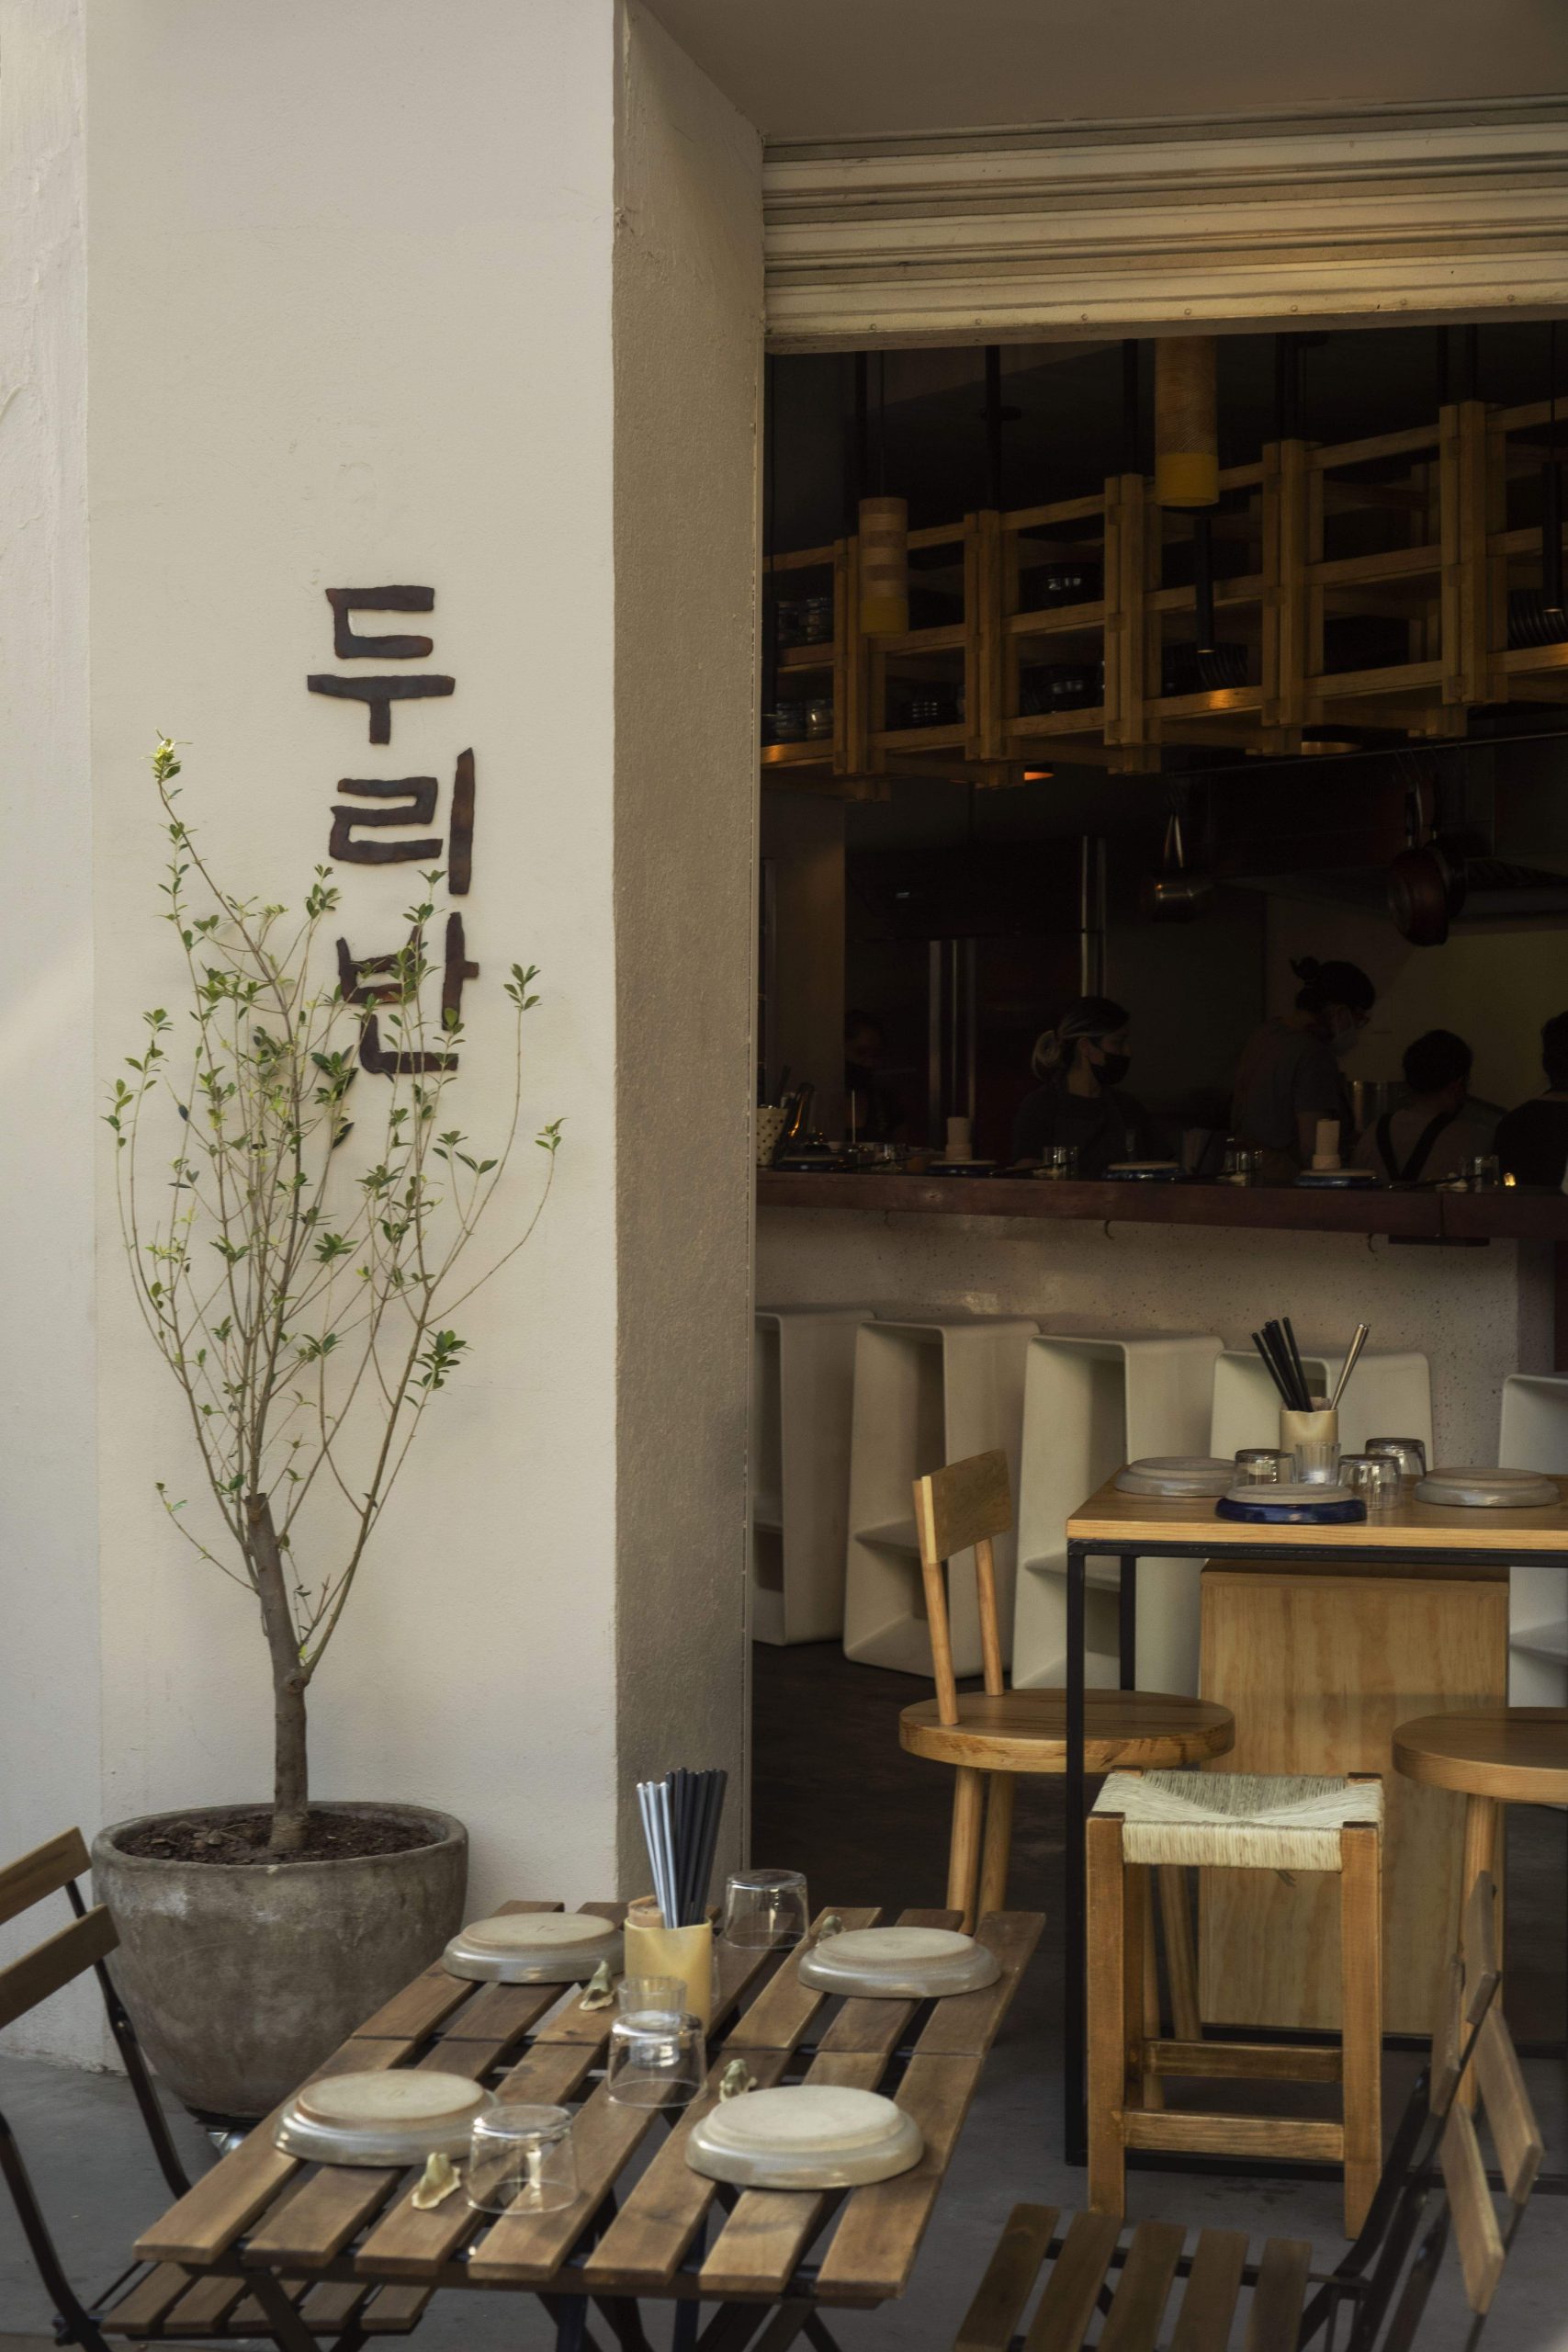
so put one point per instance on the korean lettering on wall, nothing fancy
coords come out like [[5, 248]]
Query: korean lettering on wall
[[371, 806]]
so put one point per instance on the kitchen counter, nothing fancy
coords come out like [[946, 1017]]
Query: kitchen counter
[[1431, 1216]]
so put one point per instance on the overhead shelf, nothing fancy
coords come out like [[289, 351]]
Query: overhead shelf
[[1073, 623]]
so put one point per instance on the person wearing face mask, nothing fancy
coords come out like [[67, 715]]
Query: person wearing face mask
[[1289, 1074], [1081, 1064]]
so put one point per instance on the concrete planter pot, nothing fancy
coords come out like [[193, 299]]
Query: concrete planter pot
[[242, 1977]]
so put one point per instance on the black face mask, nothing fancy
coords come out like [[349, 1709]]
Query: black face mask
[[1113, 1069]]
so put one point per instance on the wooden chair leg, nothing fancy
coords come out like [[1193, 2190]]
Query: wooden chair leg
[[1482, 1852], [997, 1848], [1107, 1896], [963, 1853], [1180, 1960], [1360, 1963], [1153, 2088]]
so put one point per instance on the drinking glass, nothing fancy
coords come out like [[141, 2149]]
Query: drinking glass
[[1317, 1461], [654, 2059], [1408, 1451], [521, 2159], [663, 1996], [1062, 1160], [765, 1907], [1262, 1465], [1484, 1171], [1373, 1476]]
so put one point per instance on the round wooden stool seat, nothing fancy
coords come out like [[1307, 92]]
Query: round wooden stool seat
[[1514, 1755], [1026, 1730]]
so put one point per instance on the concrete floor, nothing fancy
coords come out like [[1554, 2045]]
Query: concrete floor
[[869, 1825]]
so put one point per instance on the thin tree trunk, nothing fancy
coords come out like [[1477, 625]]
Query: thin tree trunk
[[291, 1779]]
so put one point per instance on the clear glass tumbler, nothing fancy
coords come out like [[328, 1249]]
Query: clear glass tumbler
[[1408, 1451], [1317, 1461], [1373, 1476], [765, 1907], [1263, 1465], [654, 2059], [522, 2160], [662, 1996], [1062, 1160]]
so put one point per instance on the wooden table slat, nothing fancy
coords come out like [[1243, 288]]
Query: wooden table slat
[[771, 2229], [211, 2214], [873, 2247], [782, 2012], [206, 2305], [522, 2249], [394, 2311], [965, 2025], [644, 2245], [148, 2301], [407, 2243], [501, 2013], [418, 2009]]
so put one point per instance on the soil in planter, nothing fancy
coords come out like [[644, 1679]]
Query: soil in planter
[[242, 1837]]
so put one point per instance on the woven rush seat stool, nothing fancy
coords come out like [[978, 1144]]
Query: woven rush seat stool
[[991, 1734], [1231, 1821]]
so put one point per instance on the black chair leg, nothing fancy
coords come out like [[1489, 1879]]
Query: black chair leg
[[72, 2316]]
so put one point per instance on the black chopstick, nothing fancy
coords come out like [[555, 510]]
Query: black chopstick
[[1301, 1368], [681, 1818]]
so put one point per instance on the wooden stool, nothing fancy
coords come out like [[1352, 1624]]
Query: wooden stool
[[1231, 1821], [1493, 1756], [991, 1734]]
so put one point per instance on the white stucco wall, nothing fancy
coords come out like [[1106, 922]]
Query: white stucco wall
[[49, 1553], [354, 304], [1477, 1314]]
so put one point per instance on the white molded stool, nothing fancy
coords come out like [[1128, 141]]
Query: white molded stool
[[803, 1369], [1092, 1403], [1387, 1395], [1534, 1436], [928, 1391]]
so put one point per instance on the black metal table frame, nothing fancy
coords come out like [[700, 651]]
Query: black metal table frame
[[1127, 1551]]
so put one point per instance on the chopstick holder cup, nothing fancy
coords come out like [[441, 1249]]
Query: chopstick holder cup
[[654, 1950]]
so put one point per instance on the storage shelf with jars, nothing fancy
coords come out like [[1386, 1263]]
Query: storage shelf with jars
[[1380, 589]]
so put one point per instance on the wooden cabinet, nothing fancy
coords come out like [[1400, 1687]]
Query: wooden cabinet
[[1318, 1670]]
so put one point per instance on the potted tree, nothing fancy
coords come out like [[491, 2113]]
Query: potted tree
[[299, 1234]]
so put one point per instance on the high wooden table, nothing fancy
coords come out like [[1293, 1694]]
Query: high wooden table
[[1418, 1539], [312, 2253]]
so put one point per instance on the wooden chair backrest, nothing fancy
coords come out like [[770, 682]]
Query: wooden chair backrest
[[963, 1506], [25, 1982]]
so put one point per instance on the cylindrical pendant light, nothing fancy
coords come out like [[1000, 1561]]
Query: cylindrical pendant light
[[1187, 457], [884, 566]]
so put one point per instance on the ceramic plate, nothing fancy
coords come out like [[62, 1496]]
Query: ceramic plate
[[398, 2117], [533, 1947], [1291, 1505], [805, 2135], [897, 1963], [1475, 1488], [1176, 1474]]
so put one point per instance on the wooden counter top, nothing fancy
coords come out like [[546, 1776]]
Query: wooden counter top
[[1453, 1217], [1113, 1517]]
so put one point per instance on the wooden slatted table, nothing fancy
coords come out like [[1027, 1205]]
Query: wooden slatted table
[[323, 2253]]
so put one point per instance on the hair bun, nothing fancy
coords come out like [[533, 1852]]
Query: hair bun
[[1305, 968]]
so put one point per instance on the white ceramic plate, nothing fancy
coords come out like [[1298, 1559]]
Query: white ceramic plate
[[897, 1963], [398, 2117], [805, 2135], [1476, 1489], [533, 1947], [1176, 1474]]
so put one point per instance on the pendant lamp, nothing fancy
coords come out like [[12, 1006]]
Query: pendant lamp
[[1187, 459], [884, 566]]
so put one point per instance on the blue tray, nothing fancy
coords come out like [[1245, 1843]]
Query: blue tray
[[1343, 1508]]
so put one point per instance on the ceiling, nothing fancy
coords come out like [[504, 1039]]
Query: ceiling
[[845, 69]]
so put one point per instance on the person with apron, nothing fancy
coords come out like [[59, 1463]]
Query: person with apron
[[1431, 1137], [1288, 1076]]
